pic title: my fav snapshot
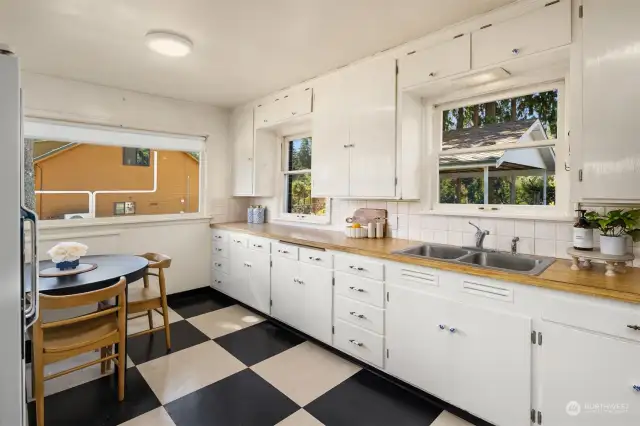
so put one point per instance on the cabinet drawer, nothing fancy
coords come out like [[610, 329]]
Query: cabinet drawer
[[598, 317], [316, 257], [220, 236], [360, 266], [239, 240], [220, 249], [359, 342], [285, 250], [260, 244], [220, 280], [442, 60], [360, 314], [220, 264], [523, 35], [360, 289]]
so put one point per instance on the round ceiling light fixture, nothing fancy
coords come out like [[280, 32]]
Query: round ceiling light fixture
[[168, 43]]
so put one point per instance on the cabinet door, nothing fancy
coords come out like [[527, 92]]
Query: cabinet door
[[239, 272], [243, 152], [491, 364], [534, 32], [287, 295], [296, 103], [418, 340], [258, 290], [372, 129], [581, 370], [442, 60], [611, 152], [329, 149], [318, 301]]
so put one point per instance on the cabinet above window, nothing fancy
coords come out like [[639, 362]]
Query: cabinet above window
[[284, 107]]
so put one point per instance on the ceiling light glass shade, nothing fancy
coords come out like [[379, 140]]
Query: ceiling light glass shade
[[168, 44]]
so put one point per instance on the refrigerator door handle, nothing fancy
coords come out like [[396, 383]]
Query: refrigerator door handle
[[31, 314]]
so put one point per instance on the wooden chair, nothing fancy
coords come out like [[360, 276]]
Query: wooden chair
[[58, 340], [147, 299]]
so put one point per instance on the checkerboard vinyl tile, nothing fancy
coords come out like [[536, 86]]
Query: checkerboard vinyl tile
[[229, 366]]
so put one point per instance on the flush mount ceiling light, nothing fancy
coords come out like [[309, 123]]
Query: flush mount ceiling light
[[168, 43]]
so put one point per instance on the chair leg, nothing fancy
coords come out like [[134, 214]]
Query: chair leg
[[38, 392], [103, 364], [122, 364], [150, 317], [108, 351]]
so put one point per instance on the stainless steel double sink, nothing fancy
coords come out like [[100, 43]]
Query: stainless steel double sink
[[483, 258]]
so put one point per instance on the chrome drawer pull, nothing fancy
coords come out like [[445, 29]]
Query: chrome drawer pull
[[257, 245], [442, 326], [355, 342], [357, 315], [218, 249], [359, 290], [219, 265], [217, 236], [636, 388], [237, 241], [283, 251], [452, 329], [634, 327], [317, 259], [295, 280], [357, 268]]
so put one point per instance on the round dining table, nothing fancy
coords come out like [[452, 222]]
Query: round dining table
[[109, 270]]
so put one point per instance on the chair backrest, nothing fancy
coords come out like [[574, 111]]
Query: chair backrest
[[157, 260], [83, 299]]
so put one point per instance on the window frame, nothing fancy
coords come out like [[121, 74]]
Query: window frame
[[124, 157], [284, 173], [560, 145], [94, 134]]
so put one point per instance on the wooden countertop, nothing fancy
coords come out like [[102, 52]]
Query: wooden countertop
[[558, 276]]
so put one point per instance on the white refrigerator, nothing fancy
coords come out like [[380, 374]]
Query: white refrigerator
[[17, 238]]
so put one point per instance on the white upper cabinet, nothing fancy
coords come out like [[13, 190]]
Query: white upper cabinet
[[289, 105], [442, 60], [372, 129], [354, 132], [330, 151], [534, 32], [610, 148], [243, 152]]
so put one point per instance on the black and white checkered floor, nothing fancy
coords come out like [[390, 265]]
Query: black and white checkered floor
[[228, 367]]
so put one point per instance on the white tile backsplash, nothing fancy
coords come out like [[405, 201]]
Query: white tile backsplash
[[376, 204], [454, 238], [440, 237], [544, 247], [490, 242], [427, 236], [506, 227], [468, 239], [504, 243], [392, 207], [526, 245], [545, 230], [488, 225], [561, 249], [403, 208], [564, 231], [524, 228]]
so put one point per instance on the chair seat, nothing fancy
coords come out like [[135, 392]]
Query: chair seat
[[141, 294], [80, 334]]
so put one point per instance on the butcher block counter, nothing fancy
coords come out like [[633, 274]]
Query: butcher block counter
[[559, 276]]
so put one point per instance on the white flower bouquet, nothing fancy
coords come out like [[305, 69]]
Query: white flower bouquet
[[66, 255]]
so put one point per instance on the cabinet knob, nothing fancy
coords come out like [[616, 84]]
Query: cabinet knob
[[295, 280], [264, 121], [357, 315], [452, 330], [217, 236], [249, 158], [218, 249], [317, 259], [293, 113], [355, 342], [636, 388], [432, 74], [634, 327], [357, 268], [516, 51], [283, 251], [441, 326], [257, 245], [218, 264], [359, 290]]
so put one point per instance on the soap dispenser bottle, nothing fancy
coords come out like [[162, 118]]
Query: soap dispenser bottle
[[582, 233]]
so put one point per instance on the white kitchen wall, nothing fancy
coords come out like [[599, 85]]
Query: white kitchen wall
[[186, 241]]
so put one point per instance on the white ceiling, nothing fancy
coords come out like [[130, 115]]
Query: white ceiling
[[244, 49]]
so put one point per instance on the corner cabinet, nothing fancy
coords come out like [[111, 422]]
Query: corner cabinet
[[354, 132], [610, 168]]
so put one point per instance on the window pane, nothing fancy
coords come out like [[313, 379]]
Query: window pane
[[61, 167], [135, 157], [531, 117], [515, 176], [299, 200], [299, 154]]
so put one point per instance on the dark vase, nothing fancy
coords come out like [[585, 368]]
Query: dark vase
[[63, 266]]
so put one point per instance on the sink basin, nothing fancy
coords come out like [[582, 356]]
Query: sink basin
[[435, 251], [518, 263], [508, 262]]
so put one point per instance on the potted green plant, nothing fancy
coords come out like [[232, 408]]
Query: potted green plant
[[613, 227]]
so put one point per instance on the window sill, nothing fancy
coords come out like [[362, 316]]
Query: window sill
[[306, 220], [500, 215], [110, 221]]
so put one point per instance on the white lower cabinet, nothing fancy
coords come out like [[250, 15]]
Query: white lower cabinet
[[588, 379], [474, 358], [302, 296], [250, 277]]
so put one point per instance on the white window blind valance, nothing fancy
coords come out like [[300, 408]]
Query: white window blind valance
[[102, 135]]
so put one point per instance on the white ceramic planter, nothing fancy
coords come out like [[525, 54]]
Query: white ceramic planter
[[616, 246]]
